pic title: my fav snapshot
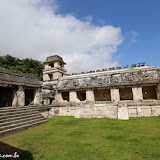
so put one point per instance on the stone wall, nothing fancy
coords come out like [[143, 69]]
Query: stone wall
[[85, 110], [107, 110]]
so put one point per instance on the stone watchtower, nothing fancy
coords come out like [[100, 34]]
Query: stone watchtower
[[54, 69]]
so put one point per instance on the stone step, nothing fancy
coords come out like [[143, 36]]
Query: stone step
[[8, 119], [18, 112], [9, 109], [14, 119], [22, 119], [17, 115], [21, 124], [21, 128]]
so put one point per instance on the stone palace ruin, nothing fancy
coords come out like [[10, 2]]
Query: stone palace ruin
[[112, 93], [117, 93]]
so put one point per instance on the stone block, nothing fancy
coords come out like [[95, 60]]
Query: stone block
[[78, 113], [123, 113], [146, 111], [155, 110], [132, 112]]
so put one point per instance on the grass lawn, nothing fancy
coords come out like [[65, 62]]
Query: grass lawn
[[67, 138]]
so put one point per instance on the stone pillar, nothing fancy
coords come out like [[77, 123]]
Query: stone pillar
[[115, 97], [37, 96], [21, 96], [46, 101], [137, 93], [90, 95], [73, 96], [15, 99], [158, 91], [58, 97], [47, 66], [56, 64]]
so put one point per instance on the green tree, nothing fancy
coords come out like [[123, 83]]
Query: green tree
[[27, 65]]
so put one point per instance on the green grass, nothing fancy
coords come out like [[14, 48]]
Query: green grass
[[67, 138]]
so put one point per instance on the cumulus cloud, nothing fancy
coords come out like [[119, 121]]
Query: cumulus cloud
[[34, 29]]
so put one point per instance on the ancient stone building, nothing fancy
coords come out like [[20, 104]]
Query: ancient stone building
[[112, 93], [20, 102], [54, 69], [18, 89]]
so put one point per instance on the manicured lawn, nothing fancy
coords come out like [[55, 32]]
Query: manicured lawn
[[66, 138]]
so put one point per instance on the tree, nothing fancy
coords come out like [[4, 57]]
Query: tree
[[27, 65]]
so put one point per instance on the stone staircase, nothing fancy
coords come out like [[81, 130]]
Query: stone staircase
[[15, 119]]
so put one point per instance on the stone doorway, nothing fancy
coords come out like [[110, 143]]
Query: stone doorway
[[29, 96], [6, 96], [149, 92]]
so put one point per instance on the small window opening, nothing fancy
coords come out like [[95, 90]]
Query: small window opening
[[51, 76], [81, 95], [65, 96]]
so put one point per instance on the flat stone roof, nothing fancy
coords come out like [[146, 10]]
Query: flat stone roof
[[131, 76], [53, 59], [17, 78]]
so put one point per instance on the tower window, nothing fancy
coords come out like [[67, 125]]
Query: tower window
[[51, 65], [60, 65], [51, 76]]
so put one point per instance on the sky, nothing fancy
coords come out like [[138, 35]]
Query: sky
[[89, 35]]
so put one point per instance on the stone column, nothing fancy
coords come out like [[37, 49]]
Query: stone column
[[37, 96], [115, 97], [59, 98], [46, 66], [73, 96], [46, 101], [137, 93], [158, 91], [15, 99], [90, 95], [21, 96]]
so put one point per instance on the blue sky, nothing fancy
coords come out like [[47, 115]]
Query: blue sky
[[87, 34], [141, 17]]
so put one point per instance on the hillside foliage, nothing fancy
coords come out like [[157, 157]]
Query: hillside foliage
[[27, 65]]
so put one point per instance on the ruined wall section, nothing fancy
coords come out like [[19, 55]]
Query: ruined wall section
[[133, 76]]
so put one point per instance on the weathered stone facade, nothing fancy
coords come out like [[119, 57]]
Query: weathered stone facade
[[18, 89], [112, 93]]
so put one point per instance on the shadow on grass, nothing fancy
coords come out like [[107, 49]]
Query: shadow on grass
[[9, 152]]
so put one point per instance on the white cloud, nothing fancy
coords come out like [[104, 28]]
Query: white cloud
[[33, 29]]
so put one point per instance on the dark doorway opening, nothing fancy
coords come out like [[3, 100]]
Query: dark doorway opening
[[126, 93], [81, 95], [51, 100], [65, 96], [29, 96], [6, 96], [149, 92], [102, 95]]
